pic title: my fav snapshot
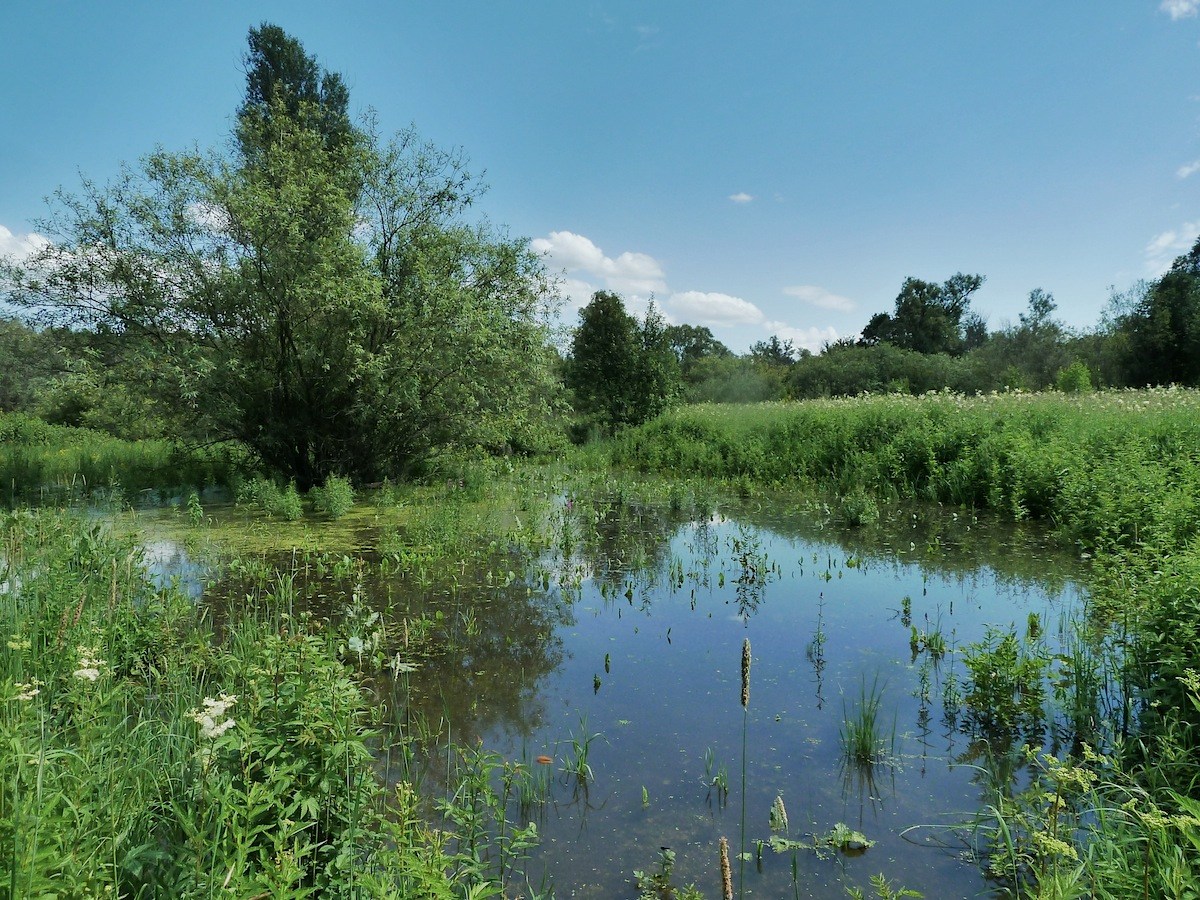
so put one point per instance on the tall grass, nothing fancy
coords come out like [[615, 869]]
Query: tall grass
[[1108, 469], [41, 462]]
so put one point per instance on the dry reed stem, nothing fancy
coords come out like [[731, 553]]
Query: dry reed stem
[[726, 871]]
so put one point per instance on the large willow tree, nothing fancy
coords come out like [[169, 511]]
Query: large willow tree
[[316, 291]]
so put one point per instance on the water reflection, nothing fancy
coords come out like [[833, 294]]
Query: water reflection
[[633, 624]]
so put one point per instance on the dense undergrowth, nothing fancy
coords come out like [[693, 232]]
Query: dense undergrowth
[[1117, 475]]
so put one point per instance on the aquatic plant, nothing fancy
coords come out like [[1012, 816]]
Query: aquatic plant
[[865, 742], [659, 885], [575, 764]]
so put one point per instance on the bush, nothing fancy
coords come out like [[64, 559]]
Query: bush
[[1074, 379], [266, 495], [335, 498]]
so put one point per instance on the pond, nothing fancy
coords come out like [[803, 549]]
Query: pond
[[610, 668]]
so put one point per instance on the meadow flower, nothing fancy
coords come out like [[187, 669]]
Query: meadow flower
[[212, 710], [16, 642], [91, 667], [28, 690]]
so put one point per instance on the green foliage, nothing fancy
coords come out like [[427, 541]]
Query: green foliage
[[335, 498], [864, 739], [694, 343], [859, 508], [883, 889], [1074, 379], [882, 368], [148, 757], [929, 317], [39, 461], [1005, 692], [30, 359], [281, 503], [621, 372], [730, 379], [659, 885], [1108, 469], [195, 512], [1162, 326], [317, 294]]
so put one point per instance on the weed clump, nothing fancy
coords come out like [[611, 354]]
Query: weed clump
[[335, 498], [278, 503]]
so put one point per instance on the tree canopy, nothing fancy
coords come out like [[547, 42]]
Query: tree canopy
[[1162, 326], [316, 291], [929, 317], [621, 371]]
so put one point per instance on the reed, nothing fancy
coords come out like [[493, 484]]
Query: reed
[[745, 721], [864, 740], [726, 871]]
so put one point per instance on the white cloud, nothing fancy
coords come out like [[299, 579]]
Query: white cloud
[[821, 298], [636, 273], [1190, 169], [743, 197], [18, 247], [637, 276], [811, 339], [710, 308], [1164, 247], [1180, 9]]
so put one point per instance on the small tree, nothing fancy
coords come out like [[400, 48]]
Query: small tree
[[620, 371]]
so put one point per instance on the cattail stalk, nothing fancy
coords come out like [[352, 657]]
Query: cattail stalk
[[746, 673], [745, 721], [726, 872]]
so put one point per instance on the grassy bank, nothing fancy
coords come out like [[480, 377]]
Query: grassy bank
[[54, 463], [1107, 469], [1117, 475]]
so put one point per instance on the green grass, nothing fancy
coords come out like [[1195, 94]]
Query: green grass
[[1114, 468], [52, 463], [866, 740]]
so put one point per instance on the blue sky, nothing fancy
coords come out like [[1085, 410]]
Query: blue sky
[[777, 167]]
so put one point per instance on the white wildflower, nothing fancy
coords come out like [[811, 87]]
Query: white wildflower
[[91, 666], [208, 716], [28, 690]]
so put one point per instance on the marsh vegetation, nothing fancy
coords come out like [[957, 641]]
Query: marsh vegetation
[[524, 675]]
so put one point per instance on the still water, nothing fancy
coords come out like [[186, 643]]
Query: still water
[[627, 638]]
